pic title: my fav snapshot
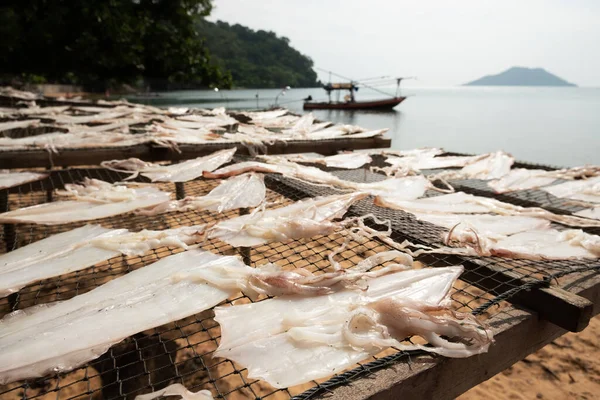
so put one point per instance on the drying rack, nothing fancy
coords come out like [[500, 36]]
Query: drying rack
[[527, 304], [148, 151], [39, 158]]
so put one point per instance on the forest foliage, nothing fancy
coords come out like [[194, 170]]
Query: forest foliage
[[158, 43], [256, 58]]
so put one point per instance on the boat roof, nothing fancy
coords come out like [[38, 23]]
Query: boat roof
[[340, 86]]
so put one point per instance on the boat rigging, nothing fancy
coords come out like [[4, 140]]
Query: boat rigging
[[350, 102]]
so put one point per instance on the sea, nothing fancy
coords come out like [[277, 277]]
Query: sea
[[557, 126]]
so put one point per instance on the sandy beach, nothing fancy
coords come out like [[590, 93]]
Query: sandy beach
[[567, 368]]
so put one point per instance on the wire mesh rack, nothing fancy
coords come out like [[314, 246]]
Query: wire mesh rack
[[523, 198], [182, 351]]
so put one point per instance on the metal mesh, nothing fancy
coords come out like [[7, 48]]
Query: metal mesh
[[182, 351], [524, 198]]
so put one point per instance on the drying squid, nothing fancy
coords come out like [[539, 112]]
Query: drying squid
[[593, 213], [177, 389], [93, 199], [462, 203], [303, 219], [6, 126], [301, 127], [81, 248], [494, 166], [181, 172], [404, 188], [10, 179], [216, 119], [522, 179], [58, 337], [427, 160], [256, 116], [302, 172], [399, 188], [272, 280], [584, 190], [242, 191], [345, 327], [332, 134], [343, 160], [487, 224], [489, 166], [535, 244]]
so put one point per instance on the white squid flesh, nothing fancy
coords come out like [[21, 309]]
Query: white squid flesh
[[322, 335], [60, 336], [94, 199], [81, 248], [242, 191], [11, 179], [180, 172], [303, 219]]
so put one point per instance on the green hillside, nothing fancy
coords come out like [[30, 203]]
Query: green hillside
[[256, 58]]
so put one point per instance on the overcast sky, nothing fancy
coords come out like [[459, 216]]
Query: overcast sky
[[442, 42]]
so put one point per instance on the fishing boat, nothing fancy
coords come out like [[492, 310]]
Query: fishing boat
[[349, 102]]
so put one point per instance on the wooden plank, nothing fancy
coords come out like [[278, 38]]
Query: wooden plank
[[325, 147], [564, 309], [44, 159], [518, 333]]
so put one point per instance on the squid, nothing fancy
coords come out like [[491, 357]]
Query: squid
[[243, 191], [462, 203], [536, 244], [93, 199], [60, 336], [81, 248], [303, 219], [180, 172], [348, 326], [343, 160], [10, 179]]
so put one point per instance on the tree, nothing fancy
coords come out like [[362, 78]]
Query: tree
[[256, 58], [103, 42]]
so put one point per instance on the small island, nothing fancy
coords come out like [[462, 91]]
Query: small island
[[521, 76]]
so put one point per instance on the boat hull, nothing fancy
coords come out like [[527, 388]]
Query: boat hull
[[357, 105]]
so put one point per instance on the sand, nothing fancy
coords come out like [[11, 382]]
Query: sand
[[567, 368]]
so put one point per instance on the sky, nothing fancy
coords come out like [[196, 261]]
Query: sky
[[440, 42]]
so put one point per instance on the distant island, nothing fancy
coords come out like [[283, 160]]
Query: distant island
[[521, 76]]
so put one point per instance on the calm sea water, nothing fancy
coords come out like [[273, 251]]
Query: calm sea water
[[557, 126]]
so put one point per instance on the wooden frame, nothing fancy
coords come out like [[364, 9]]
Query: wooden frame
[[44, 159]]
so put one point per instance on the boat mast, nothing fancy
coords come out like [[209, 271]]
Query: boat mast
[[329, 92], [398, 80]]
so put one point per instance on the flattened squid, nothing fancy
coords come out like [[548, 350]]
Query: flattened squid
[[345, 327], [243, 191], [303, 219], [93, 199], [81, 248], [462, 203], [180, 172]]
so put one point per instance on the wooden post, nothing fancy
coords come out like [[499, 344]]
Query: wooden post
[[10, 238], [179, 190], [49, 191], [245, 251]]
